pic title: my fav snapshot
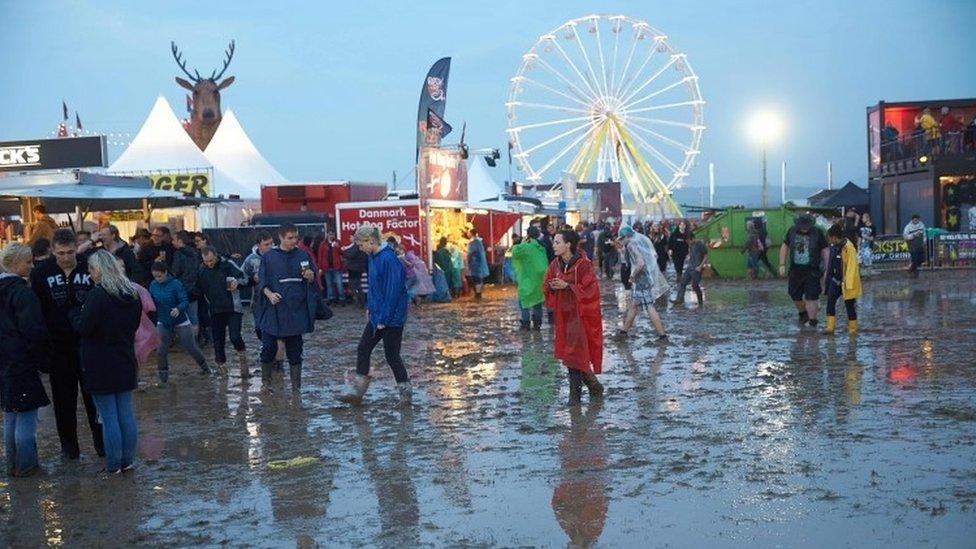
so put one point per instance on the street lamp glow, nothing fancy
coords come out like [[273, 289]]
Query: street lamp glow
[[765, 127]]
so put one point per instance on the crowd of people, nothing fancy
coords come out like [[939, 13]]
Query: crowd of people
[[95, 310]]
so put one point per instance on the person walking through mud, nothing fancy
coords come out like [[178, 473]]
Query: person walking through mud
[[843, 279], [697, 259], [172, 320], [806, 247], [529, 263], [287, 299], [477, 264], [24, 356], [62, 283], [219, 281], [648, 284], [573, 294], [263, 242], [108, 358], [386, 315]]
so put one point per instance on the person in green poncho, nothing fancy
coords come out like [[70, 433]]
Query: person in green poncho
[[530, 262], [442, 258]]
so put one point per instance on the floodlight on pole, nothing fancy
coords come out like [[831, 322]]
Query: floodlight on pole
[[765, 127]]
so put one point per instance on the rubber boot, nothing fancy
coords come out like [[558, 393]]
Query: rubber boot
[[831, 324], [406, 393], [593, 386], [804, 318], [537, 325], [524, 325], [163, 376], [575, 387], [266, 369], [245, 367], [295, 370], [477, 296], [852, 327], [355, 394]]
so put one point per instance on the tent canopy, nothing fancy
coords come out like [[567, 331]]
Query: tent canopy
[[848, 196], [161, 145], [484, 193], [64, 193], [239, 168]]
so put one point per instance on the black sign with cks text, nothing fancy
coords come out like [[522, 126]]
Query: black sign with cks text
[[53, 154]]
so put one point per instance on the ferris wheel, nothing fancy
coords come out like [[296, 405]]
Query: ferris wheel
[[606, 97]]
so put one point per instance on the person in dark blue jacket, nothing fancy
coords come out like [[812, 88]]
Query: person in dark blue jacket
[[386, 306], [286, 298], [171, 318]]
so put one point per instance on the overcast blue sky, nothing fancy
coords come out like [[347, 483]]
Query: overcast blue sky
[[329, 90]]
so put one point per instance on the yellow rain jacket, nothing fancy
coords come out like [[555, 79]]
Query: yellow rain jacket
[[852, 271]]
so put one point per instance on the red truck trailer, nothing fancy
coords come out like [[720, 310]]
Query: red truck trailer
[[318, 197]]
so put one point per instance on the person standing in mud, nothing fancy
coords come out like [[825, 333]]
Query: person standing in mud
[[108, 358], [573, 293], [386, 315], [807, 249], [219, 281], [477, 264], [914, 235], [25, 345], [678, 247], [355, 262], [286, 297], [529, 263], [843, 279], [442, 258], [649, 283], [62, 283]]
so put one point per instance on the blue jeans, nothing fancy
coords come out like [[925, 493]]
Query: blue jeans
[[20, 441], [333, 285], [536, 313], [118, 429]]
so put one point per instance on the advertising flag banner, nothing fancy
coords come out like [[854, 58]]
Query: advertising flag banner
[[437, 128], [433, 97], [442, 174]]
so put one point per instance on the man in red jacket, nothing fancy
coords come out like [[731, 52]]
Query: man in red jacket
[[330, 265]]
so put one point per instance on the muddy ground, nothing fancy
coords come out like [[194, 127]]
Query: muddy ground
[[742, 431]]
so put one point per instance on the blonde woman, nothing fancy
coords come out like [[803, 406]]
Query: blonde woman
[[107, 325], [24, 339]]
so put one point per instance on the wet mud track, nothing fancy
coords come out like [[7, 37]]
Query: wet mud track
[[743, 430]]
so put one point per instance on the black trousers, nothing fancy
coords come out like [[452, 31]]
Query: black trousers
[[65, 384], [294, 347], [625, 275], [833, 294], [203, 312], [391, 337], [679, 264], [219, 325]]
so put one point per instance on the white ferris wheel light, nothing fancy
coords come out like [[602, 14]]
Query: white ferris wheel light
[[615, 103]]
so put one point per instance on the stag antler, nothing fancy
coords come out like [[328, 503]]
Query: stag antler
[[230, 55], [182, 63]]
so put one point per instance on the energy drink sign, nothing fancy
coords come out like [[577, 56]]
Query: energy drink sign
[[442, 174], [391, 218], [889, 249]]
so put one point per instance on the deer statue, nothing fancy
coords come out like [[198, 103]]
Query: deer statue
[[206, 115]]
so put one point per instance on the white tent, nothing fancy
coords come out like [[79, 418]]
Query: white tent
[[482, 187], [238, 166], [161, 145]]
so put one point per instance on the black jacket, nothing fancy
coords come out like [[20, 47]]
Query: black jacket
[[213, 286], [678, 243], [23, 347], [107, 328], [133, 269], [59, 294], [355, 259], [185, 266]]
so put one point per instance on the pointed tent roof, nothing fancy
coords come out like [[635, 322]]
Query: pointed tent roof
[[239, 168], [161, 145], [481, 185]]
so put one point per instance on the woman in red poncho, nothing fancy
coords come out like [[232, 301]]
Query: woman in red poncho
[[573, 294]]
